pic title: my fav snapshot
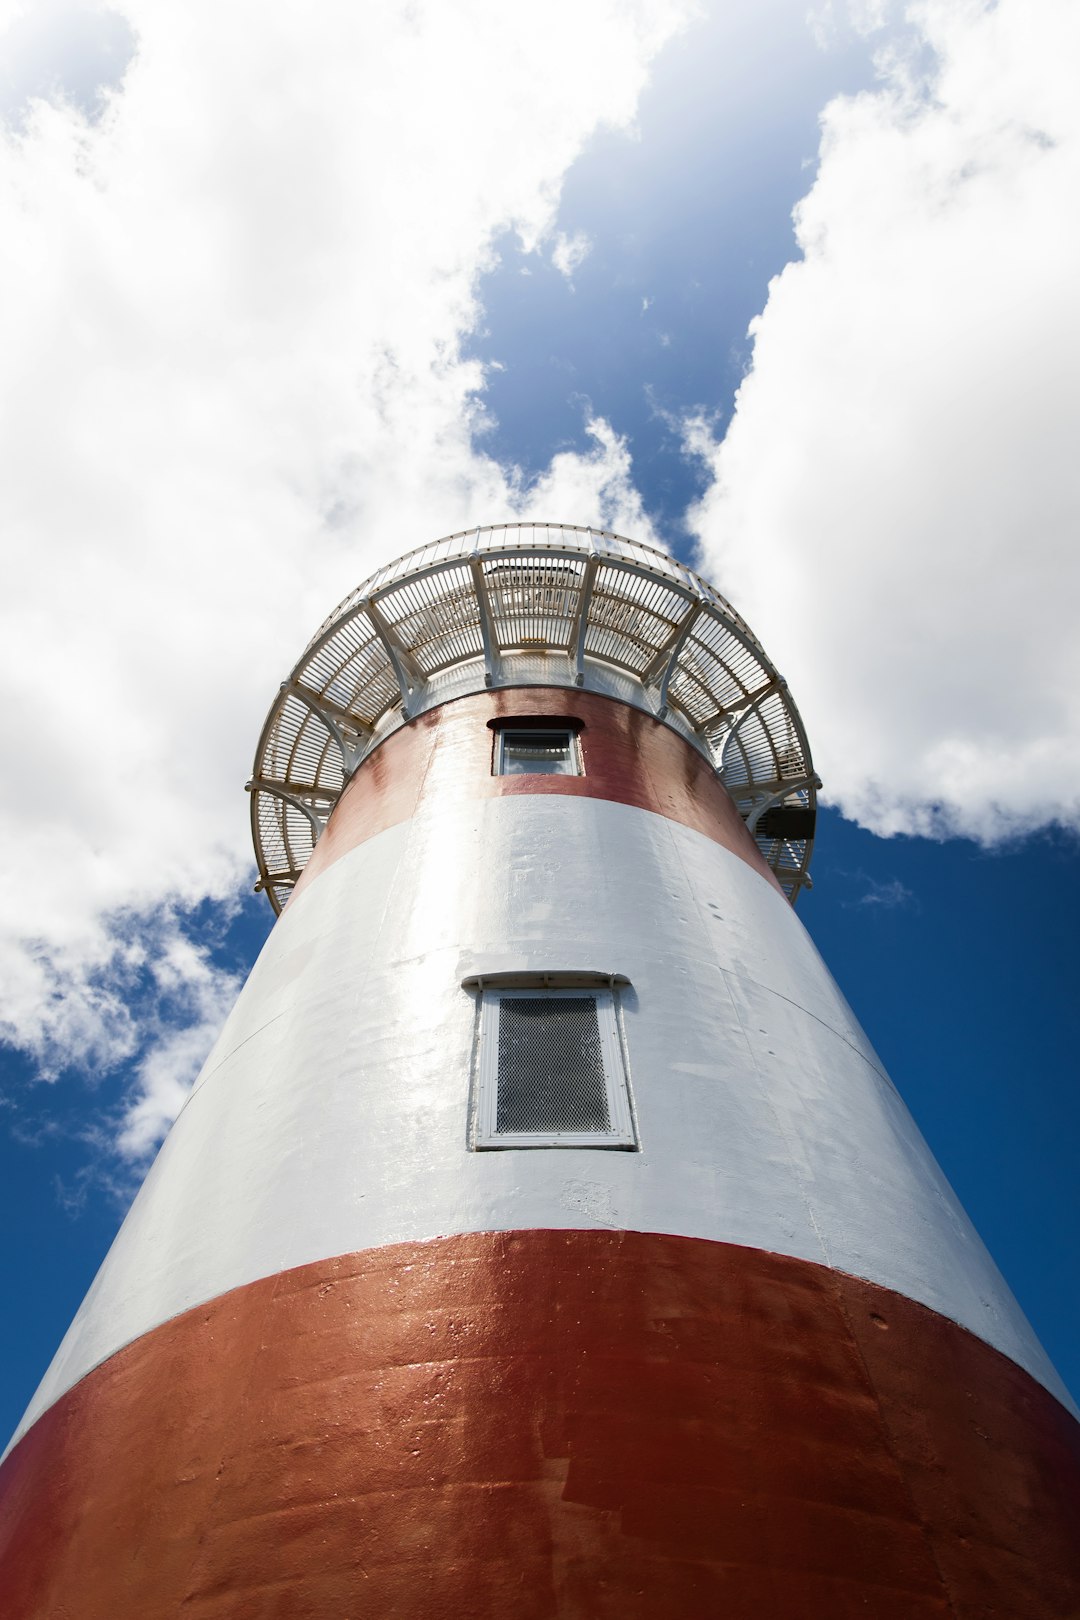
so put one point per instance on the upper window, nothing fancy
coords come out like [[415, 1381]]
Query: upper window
[[533, 752], [551, 1071]]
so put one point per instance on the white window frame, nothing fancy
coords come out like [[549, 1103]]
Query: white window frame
[[621, 1134], [552, 730]]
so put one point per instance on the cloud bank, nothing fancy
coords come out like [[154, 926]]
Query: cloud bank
[[895, 503], [236, 278]]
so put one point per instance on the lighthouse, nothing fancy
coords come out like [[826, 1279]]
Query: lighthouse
[[542, 1236]]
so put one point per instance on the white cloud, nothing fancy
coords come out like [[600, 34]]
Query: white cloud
[[175, 1048], [887, 896], [896, 501], [60, 50], [231, 310], [829, 23], [568, 253]]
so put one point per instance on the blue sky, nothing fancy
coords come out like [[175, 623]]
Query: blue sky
[[265, 390]]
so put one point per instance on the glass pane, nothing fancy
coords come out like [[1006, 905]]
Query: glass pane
[[538, 753]]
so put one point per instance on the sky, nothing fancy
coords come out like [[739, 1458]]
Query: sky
[[785, 288]]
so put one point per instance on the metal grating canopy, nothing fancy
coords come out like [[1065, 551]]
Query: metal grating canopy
[[519, 604]]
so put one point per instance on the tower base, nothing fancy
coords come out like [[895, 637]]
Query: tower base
[[549, 1423]]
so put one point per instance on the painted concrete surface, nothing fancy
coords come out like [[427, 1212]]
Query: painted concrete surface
[[446, 757], [527, 1425], [333, 1116]]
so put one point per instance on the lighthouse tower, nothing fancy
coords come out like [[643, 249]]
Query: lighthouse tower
[[542, 1237]]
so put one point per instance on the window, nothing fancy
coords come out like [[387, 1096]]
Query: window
[[532, 752], [551, 1071]]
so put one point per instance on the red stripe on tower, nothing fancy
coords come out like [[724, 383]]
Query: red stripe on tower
[[538, 1423], [542, 1236], [446, 758]]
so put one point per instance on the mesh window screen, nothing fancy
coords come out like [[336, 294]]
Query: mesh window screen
[[550, 1066]]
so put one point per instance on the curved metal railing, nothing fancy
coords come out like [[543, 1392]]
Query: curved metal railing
[[523, 604]]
